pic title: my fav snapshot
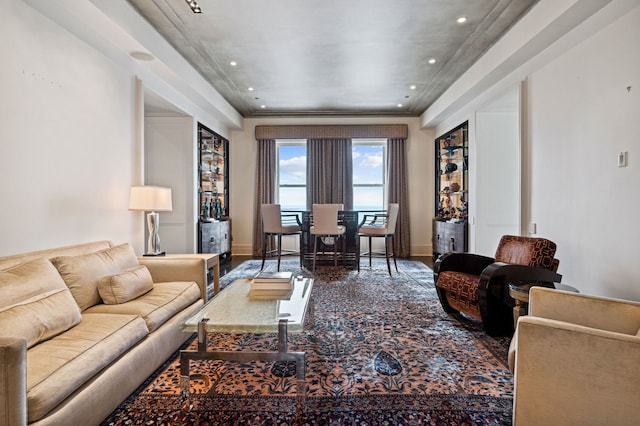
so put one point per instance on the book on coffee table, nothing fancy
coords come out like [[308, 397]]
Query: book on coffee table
[[271, 293], [273, 277]]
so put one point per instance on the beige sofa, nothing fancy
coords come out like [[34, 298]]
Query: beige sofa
[[576, 360], [81, 327]]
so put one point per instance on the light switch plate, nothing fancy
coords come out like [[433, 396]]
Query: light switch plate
[[622, 159]]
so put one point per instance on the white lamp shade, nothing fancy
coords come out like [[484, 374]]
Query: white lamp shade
[[150, 198]]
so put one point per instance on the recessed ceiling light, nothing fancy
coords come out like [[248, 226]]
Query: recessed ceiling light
[[263, 106], [250, 89], [399, 105], [233, 63], [142, 56], [432, 61], [461, 20], [412, 87], [193, 4]]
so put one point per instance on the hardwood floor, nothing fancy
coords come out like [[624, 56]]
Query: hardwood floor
[[237, 259]]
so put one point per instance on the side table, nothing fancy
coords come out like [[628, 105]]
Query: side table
[[519, 291]]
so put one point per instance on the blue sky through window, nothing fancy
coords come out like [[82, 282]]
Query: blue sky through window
[[368, 175]]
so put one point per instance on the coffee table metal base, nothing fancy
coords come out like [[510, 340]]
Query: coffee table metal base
[[282, 354]]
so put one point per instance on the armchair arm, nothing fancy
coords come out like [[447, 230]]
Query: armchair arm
[[570, 374], [462, 262], [376, 219], [512, 273], [176, 269], [290, 219], [617, 315], [494, 278], [13, 381]]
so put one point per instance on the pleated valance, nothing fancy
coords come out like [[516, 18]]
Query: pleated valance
[[333, 132]]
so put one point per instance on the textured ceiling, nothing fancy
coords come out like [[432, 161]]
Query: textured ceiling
[[332, 57]]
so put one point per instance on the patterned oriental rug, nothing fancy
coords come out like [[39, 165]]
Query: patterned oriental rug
[[380, 351]]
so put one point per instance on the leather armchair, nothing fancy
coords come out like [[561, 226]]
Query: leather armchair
[[478, 285], [575, 359]]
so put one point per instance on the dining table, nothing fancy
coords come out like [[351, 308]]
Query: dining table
[[350, 219]]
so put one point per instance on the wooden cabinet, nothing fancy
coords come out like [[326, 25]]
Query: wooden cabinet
[[448, 237], [214, 236], [452, 191]]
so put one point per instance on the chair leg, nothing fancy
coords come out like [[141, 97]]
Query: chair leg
[[335, 251], [393, 251], [386, 254], [315, 252], [300, 246], [370, 250], [344, 249], [264, 250], [279, 250], [358, 251]]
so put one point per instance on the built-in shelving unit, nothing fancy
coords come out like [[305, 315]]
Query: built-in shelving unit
[[452, 191], [214, 224]]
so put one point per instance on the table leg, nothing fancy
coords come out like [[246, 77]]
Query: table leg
[[518, 311], [216, 277], [282, 354]]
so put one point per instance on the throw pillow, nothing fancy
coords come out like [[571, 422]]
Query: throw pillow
[[128, 285], [82, 273], [35, 304]]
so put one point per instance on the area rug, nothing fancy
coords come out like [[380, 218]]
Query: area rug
[[380, 351]]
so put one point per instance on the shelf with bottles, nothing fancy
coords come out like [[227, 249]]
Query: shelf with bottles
[[212, 207], [213, 175]]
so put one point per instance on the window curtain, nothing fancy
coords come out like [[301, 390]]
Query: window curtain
[[265, 188], [329, 172], [397, 192]]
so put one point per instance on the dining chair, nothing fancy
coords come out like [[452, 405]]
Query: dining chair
[[380, 225], [276, 224], [325, 225]]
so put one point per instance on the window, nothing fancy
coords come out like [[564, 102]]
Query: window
[[292, 174], [369, 158]]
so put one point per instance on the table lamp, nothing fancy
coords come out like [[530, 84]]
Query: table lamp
[[151, 199]]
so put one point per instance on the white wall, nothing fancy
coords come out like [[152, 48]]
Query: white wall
[[72, 116], [65, 139], [242, 177], [578, 114], [169, 162], [497, 175]]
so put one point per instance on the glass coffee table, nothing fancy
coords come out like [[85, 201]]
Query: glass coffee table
[[238, 309]]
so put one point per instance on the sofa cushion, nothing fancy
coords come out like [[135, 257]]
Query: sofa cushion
[[158, 305], [82, 273], [462, 291], [60, 366], [35, 304], [126, 286]]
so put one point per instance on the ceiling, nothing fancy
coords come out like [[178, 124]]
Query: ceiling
[[332, 57]]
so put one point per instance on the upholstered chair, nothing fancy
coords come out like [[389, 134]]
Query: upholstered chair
[[276, 224], [478, 285], [576, 360], [379, 225], [325, 225]]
